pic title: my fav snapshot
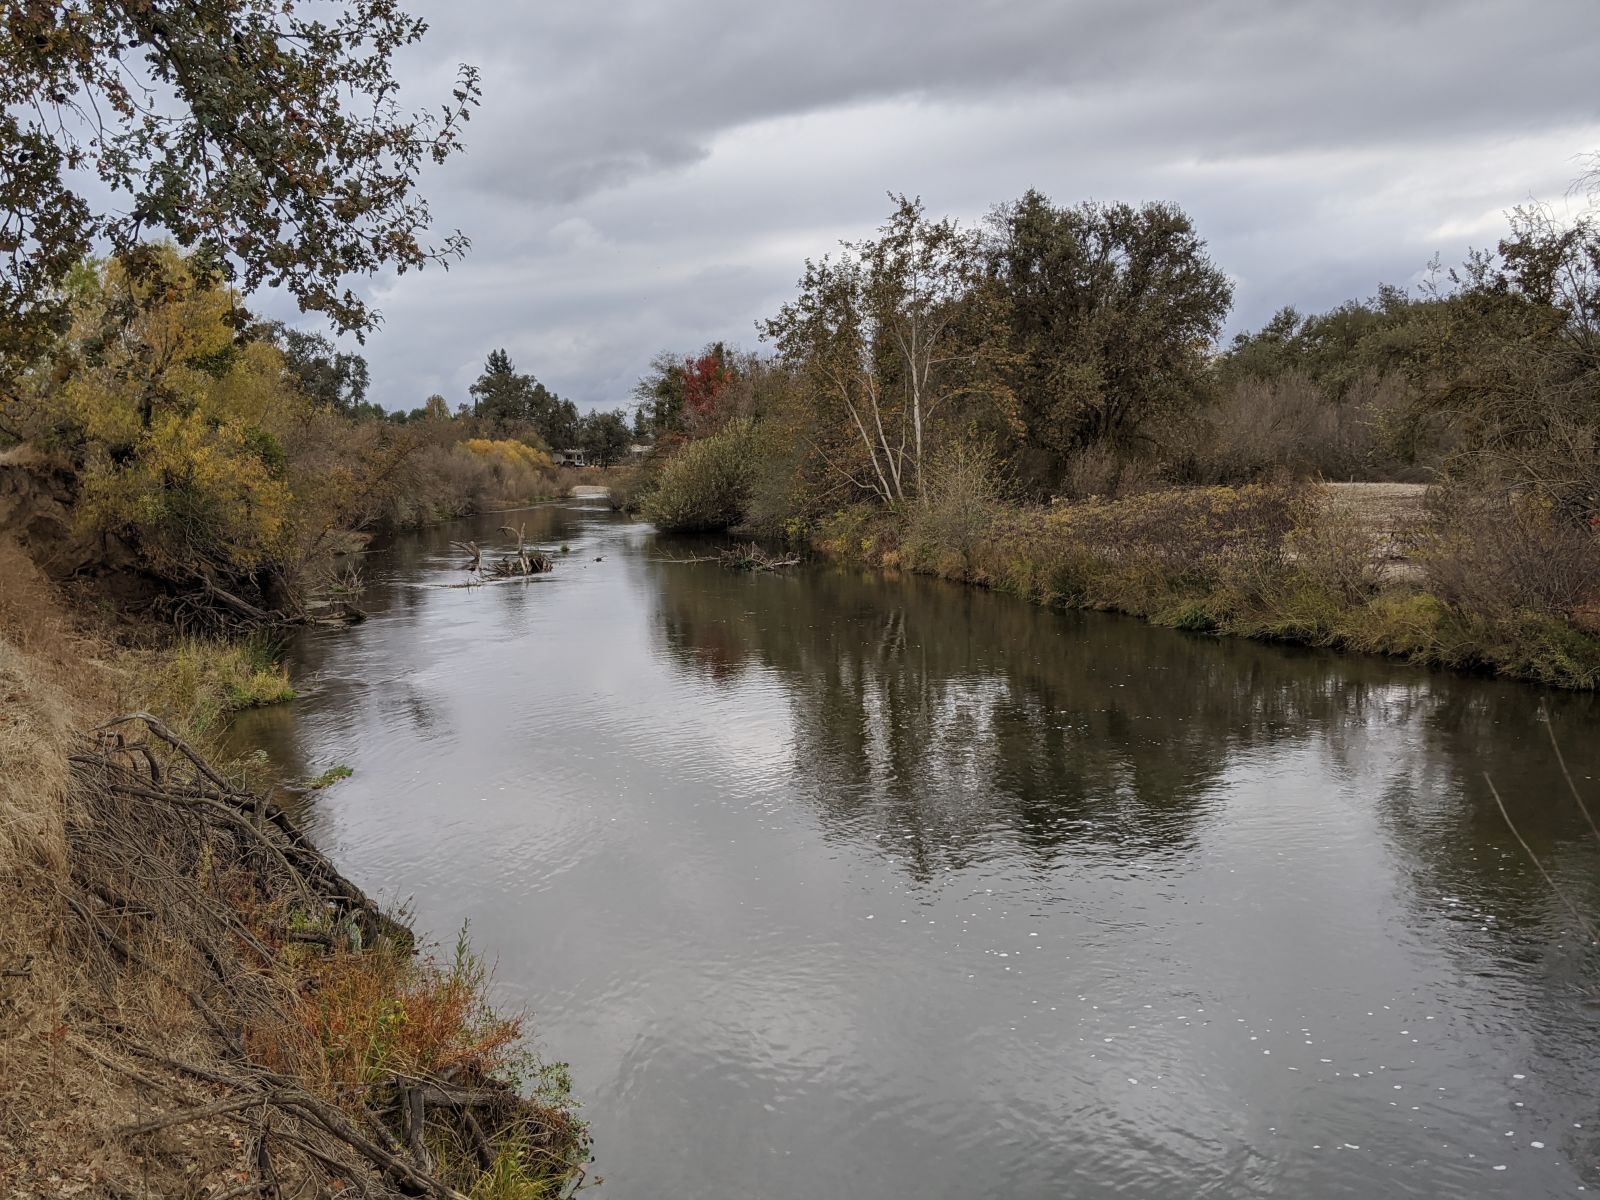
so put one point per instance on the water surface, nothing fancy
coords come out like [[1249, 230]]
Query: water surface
[[830, 884]]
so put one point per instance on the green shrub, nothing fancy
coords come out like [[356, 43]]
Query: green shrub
[[197, 684], [706, 486]]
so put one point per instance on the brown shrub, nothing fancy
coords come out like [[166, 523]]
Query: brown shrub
[[1099, 470], [1492, 556], [958, 506], [1337, 554], [1290, 425], [1188, 532]]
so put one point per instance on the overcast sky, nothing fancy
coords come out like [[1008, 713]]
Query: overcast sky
[[646, 175]]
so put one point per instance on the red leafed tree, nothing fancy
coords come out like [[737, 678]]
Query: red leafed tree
[[704, 380]]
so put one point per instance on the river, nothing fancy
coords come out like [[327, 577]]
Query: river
[[831, 884]]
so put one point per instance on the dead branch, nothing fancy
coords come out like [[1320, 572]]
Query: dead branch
[[751, 557], [152, 818], [222, 1107]]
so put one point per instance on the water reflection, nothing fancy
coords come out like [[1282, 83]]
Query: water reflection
[[941, 713], [835, 884]]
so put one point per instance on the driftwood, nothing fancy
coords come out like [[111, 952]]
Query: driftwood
[[746, 557], [751, 557], [150, 817], [523, 563]]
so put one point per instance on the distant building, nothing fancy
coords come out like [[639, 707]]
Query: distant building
[[638, 450], [569, 458]]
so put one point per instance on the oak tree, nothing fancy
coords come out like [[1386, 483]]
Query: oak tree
[[264, 135]]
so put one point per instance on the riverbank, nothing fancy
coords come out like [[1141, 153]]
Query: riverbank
[[1497, 591], [196, 1002]]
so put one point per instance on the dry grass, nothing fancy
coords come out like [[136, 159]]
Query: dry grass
[[1490, 586], [57, 1100], [157, 964]]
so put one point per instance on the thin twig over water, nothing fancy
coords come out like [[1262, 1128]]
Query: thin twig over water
[[1548, 878]]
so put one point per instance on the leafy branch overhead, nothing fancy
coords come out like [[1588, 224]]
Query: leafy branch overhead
[[269, 140]]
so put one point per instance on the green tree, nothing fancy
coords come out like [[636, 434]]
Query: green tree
[[661, 393], [502, 395], [1111, 311], [604, 437], [264, 133], [328, 375], [1511, 360], [555, 419]]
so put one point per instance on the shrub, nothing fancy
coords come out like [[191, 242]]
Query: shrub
[[706, 486], [508, 453], [198, 683], [1291, 425], [1336, 554], [958, 506], [1100, 470], [1491, 557], [1187, 534]]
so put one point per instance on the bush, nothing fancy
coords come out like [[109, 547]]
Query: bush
[[1100, 470], [1291, 426], [706, 486], [198, 683], [1335, 554], [1187, 534], [1491, 557], [957, 510]]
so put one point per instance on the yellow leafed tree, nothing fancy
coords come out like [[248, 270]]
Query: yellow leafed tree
[[178, 420]]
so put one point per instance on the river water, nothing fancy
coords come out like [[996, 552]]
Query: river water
[[835, 885]]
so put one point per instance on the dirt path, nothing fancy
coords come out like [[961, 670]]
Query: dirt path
[[1388, 512]]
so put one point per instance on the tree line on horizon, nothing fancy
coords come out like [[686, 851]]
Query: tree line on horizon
[[1077, 348]]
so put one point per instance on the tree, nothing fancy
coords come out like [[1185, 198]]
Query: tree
[[891, 334], [561, 425], [1110, 312], [555, 419], [330, 376], [178, 423], [506, 397], [604, 437], [265, 138], [500, 394], [1511, 359], [705, 379], [661, 393]]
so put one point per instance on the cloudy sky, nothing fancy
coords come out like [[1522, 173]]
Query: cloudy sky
[[646, 175]]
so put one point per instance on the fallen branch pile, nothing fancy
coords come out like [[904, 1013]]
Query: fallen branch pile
[[746, 557], [207, 890], [751, 557], [522, 563]]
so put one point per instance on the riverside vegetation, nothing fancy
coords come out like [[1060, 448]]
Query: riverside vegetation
[[1039, 406], [196, 1000], [213, 1006], [193, 1000]]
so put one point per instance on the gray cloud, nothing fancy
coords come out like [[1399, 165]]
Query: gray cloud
[[645, 175]]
